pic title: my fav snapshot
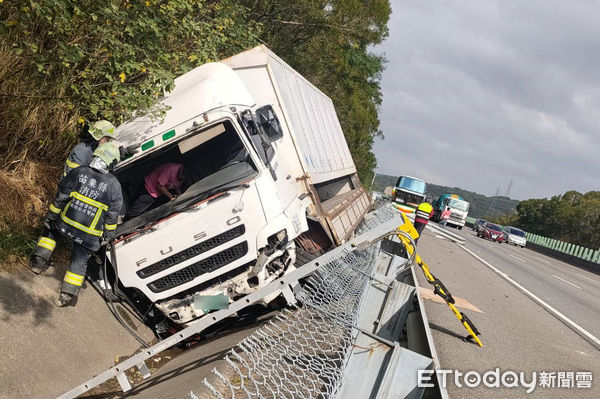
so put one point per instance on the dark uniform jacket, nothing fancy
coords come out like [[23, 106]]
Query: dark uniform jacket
[[80, 155], [87, 206]]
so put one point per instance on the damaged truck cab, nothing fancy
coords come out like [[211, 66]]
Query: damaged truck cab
[[248, 194]]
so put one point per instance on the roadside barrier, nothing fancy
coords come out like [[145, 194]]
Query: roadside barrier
[[586, 254], [303, 352]]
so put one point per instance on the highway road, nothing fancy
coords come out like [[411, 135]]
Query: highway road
[[571, 290], [518, 334]]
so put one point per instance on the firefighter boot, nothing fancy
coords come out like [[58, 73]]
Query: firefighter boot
[[38, 264], [65, 299]]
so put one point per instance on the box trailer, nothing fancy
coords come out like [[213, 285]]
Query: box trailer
[[322, 158]]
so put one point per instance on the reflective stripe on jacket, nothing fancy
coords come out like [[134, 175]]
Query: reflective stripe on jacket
[[423, 212], [80, 155], [88, 203]]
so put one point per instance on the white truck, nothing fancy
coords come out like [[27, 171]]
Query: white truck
[[268, 174]]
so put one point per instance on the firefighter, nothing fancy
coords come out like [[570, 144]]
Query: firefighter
[[91, 137], [422, 215], [85, 211]]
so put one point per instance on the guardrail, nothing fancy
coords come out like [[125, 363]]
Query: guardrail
[[344, 337], [586, 254]]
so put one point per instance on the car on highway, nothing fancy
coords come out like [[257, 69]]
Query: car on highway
[[493, 232], [514, 236], [478, 225]]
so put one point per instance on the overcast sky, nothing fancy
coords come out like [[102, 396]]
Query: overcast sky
[[476, 93]]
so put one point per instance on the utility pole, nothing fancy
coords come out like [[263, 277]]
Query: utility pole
[[373, 180]]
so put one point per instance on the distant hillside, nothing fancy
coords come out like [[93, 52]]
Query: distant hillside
[[480, 204]]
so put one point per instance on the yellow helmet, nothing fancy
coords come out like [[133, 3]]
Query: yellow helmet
[[109, 153], [103, 128]]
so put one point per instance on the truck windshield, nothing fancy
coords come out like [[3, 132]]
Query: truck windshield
[[458, 204], [408, 183], [211, 158]]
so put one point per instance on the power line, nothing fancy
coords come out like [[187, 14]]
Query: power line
[[489, 212], [509, 188]]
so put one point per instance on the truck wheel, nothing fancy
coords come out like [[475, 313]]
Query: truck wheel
[[460, 227], [303, 257]]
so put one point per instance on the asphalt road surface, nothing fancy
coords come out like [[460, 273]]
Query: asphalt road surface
[[571, 290], [518, 334]]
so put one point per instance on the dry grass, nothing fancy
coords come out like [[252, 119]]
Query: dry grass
[[33, 144], [24, 194], [37, 122]]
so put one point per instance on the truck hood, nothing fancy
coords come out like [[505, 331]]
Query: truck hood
[[193, 247]]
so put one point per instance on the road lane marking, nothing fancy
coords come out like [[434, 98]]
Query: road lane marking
[[568, 322], [543, 260], [587, 278], [568, 282], [516, 257]]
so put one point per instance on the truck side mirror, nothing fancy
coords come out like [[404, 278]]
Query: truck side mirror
[[269, 122]]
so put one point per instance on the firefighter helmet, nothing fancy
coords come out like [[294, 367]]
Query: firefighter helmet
[[103, 128], [109, 153]]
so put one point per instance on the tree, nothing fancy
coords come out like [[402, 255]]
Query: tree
[[571, 217], [65, 62]]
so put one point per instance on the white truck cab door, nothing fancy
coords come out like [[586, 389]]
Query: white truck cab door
[[267, 141]]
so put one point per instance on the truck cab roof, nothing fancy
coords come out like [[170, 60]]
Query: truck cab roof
[[188, 100]]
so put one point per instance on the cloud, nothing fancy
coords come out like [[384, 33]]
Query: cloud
[[478, 93]]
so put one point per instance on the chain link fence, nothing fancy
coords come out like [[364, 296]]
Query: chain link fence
[[303, 351]]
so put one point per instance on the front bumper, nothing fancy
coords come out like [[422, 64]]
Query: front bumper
[[516, 242], [456, 221], [498, 237]]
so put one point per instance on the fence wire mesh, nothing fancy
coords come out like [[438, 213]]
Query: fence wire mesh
[[303, 351]]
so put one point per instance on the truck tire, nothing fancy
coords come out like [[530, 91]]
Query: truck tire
[[303, 257], [460, 227]]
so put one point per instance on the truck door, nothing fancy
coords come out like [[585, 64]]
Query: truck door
[[267, 139]]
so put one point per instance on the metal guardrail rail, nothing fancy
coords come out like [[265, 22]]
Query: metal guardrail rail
[[350, 300]]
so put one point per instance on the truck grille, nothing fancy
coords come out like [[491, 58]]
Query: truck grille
[[191, 252], [204, 266]]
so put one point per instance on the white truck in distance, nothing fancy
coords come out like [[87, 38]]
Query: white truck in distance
[[268, 174]]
